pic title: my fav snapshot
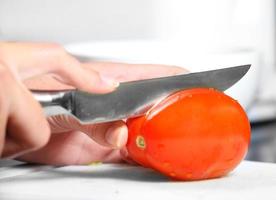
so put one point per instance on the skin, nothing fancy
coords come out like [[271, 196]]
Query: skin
[[59, 140]]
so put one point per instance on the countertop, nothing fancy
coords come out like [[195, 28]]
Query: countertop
[[250, 180]]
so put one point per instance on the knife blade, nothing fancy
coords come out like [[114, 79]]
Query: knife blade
[[133, 98]]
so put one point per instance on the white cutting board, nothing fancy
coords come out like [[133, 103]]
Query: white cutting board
[[251, 180]]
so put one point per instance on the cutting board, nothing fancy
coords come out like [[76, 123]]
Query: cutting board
[[251, 180]]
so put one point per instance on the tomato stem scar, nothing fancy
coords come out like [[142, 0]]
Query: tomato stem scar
[[140, 142]]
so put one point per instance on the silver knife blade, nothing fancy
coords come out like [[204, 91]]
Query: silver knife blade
[[135, 98]]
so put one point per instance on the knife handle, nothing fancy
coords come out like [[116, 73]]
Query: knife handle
[[56, 103], [55, 100]]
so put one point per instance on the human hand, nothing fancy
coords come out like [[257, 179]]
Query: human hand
[[23, 127], [73, 144]]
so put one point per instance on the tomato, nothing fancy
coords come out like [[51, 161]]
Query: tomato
[[193, 134]]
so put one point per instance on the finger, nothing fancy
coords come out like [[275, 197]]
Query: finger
[[46, 82], [34, 59], [73, 73], [27, 128], [72, 148], [111, 134], [129, 72], [119, 71]]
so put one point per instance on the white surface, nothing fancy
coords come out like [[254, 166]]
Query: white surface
[[251, 180], [68, 20]]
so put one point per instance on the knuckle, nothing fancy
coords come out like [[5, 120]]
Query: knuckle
[[177, 70], [55, 54], [69, 61], [58, 50], [54, 46], [64, 62]]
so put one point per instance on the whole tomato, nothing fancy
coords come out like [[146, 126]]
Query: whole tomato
[[193, 134]]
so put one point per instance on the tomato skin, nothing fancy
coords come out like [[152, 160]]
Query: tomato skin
[[193, 134], [133, 149]]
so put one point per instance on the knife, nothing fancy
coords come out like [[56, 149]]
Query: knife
[[132, 98]]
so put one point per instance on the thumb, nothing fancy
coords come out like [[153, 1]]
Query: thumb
[[110, 134]]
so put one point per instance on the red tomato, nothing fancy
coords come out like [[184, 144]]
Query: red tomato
[[193, 134]]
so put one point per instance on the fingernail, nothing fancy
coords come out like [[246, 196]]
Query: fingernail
[[116, 137], [110, 82]]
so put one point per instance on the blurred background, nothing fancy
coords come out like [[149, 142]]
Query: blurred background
[[194, 34]]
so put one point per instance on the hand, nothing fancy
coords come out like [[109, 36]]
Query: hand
[[73, 144], [23, 127]]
